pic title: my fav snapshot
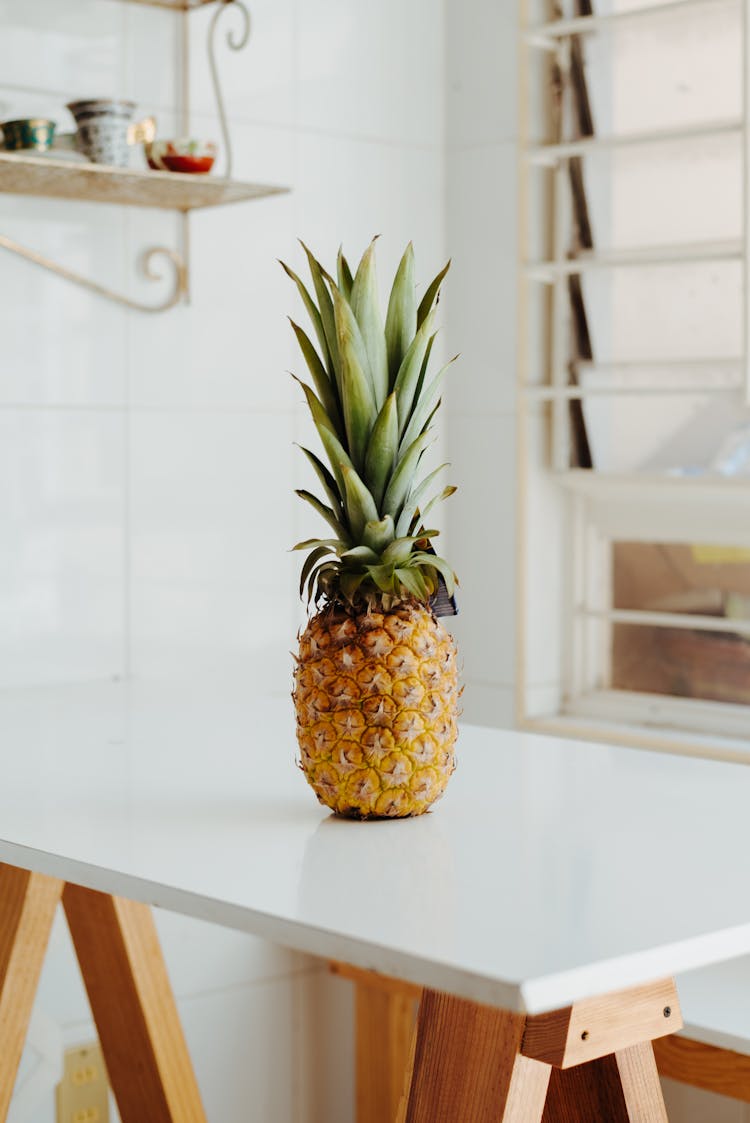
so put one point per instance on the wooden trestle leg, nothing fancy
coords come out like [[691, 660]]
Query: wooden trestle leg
[[479, 1064], [27, 910], [468, 1065], [126, 979], [134, 1009]]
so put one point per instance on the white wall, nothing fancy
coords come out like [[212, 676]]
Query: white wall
[[481, 169], [147, 468]]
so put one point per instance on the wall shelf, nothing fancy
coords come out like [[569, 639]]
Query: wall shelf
[[21, 174], [42, 176], [177, 5]]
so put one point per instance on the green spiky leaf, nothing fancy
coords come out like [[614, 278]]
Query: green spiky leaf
[[312, 311], [410, 370], [360, 505], [430, 295], [344, 274], [334, 543], [337, 455], [416, 494], [414, 582], [320, 280], [325, 389], [401, 480], [441, 565], [326, 512], [423, 409], [362, 555], [311, 561], [424, 512], [399, 551], [366, 308], [356, 387], [401, 318], [327, 481], [378, 534], [382, 448]]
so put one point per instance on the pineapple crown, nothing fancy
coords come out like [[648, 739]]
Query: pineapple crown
[[373, 405]]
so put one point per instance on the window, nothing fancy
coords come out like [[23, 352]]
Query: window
[[635, 391]]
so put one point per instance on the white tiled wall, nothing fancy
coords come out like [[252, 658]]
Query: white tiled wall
[[481, 314], [147, 467]]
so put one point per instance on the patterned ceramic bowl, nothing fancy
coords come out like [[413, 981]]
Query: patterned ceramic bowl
[[35, 133], [195, 157], [102, 125]]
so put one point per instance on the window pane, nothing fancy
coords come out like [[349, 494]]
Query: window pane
[[665, 71], [681, 579], [678, 191], [665, 311], [690, 434]]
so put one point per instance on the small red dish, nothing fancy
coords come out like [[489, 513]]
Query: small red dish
[[188, 156], [192, 165]]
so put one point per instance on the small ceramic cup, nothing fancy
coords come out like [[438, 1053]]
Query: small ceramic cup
[[35, 133], [102, 125]]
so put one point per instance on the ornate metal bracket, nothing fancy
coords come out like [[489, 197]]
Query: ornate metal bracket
[[235, 43], [174, 260]]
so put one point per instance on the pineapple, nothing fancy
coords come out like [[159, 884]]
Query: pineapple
[[376, 682]]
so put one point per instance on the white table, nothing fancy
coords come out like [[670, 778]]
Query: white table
[[553, 872]]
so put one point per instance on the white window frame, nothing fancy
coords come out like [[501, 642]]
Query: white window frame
[[593, 508]]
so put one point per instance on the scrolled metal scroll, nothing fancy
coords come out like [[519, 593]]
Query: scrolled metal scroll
[[176, 263], [235, 43]]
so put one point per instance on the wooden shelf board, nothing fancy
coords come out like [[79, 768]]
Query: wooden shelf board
[[175, 5], [21, 174]]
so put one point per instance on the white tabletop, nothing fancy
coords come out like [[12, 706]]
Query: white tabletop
[[551, 870]]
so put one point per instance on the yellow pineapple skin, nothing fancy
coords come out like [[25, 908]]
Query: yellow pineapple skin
[[376, 697]]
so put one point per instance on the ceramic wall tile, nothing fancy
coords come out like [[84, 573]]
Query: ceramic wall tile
[[61, 545], [371, 70], [215, 506], [238, 633], [479, 543], [481, 72], [480, 296], [71, 49], [61, 344], [396, 193], [151, 52]]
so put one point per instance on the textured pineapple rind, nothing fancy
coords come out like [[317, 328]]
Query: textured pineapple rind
[[376, 696]]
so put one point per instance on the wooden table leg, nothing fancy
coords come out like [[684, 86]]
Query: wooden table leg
[[27, 910], [584, 1064], [385, 1013], [134, 1009], [621, 1088], [468, 1065]]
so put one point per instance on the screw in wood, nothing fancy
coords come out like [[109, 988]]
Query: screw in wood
[[667, 1011], [585, 1035]]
